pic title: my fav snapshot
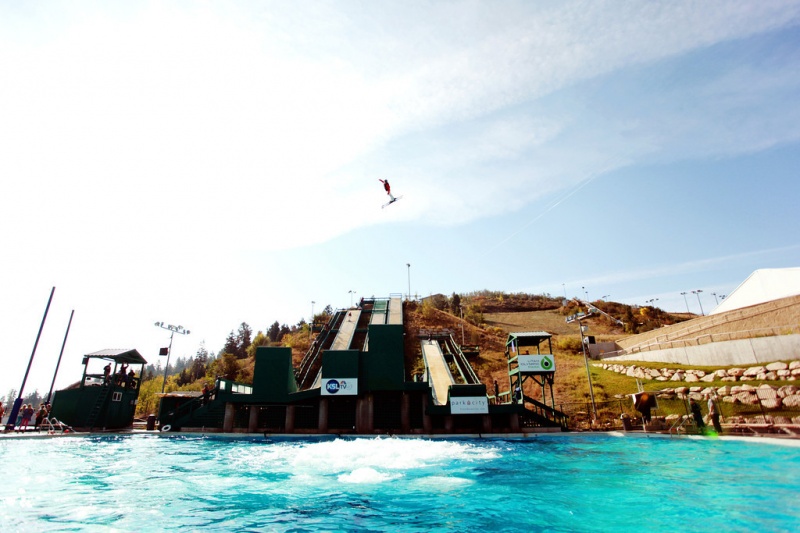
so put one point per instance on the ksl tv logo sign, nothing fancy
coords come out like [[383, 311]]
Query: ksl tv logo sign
[[537, 363], [339, 387]]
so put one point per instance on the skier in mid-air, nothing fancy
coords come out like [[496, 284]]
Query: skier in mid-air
[[388, 189]]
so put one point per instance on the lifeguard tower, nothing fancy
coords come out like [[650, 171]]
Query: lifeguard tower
[[524, 365]]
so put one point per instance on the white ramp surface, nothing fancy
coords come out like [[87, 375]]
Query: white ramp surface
[[348, 327], [395, 311], [439, 375]]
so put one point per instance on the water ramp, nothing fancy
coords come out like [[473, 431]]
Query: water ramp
[[439, 376], [346, 330], [379, 312]]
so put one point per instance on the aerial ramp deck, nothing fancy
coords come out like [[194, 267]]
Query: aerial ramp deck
[[439, 376], [346, 330], [395, 311], [379, 312], [387, 311]]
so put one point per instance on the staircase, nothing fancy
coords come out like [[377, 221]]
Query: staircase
[[543, 415], [102, 401]]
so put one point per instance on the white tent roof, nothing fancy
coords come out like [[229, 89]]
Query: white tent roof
[[763, 285]]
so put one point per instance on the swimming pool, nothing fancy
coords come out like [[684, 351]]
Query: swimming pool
[[583, 482]]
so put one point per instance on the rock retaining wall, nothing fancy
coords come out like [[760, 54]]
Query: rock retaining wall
[[786, 397]]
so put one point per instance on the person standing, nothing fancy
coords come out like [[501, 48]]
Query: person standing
[[27, 413], [697, 414], [713, 413], [2, 412], [41, 414], [496, 393]]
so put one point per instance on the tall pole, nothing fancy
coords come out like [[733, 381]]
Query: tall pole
[[173, 330], [588, 373], [12, 416], [686, 302], [409, 280], [461, 309], [311, 326], [61, 353], [697, 293], [169, 352]]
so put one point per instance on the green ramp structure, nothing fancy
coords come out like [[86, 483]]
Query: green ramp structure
[[353, 380]]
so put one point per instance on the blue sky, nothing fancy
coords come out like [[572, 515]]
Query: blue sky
[[206, 164]]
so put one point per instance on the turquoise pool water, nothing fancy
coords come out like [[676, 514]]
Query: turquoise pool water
[[596, 482]]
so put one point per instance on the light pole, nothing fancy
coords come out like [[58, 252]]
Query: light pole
[[311, 327], [461, 309], [409, 280], [686, 302], [604, 296], [585, 293], [173, 330], [351, 297], [577, 318], [697, 292]]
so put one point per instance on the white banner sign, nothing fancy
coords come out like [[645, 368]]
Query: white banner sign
[[339, 387], [469, 405], [536, 363]]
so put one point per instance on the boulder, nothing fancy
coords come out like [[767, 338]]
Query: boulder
[[792, 401], [747, 398], [771, 376], [771, 403], [777, 366], [691, 378], [794, 365], [735, 372], [753, 371], [787, 390], [724, 391], [709, 378], [720, 374], [681, 390], [677, 376]]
